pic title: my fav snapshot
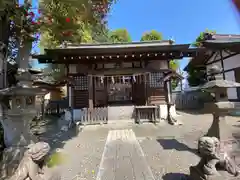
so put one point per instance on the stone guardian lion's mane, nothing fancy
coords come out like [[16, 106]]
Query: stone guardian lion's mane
[[38, 151]]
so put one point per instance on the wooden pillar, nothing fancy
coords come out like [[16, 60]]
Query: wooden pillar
[[69, 89], [145, 89], [169, 93], [169, 86], [70, 96], [222, 64], [90, 90]]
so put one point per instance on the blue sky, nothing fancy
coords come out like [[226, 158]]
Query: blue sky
[[181, 20]]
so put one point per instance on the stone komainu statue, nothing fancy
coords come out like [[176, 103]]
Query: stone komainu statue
[[211, 161], [32, 165]]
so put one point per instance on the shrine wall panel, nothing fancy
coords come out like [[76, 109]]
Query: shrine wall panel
[[80, 92], [156, 96], [72, 68], [157, 65], [82, 68], [80, 99]]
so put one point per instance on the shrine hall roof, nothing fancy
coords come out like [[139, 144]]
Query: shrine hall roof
[[117, 50], [219, 42], [146, 46]]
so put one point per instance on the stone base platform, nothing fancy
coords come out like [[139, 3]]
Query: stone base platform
[[195, 174]]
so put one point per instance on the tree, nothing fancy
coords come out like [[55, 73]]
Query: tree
[[72, 21], [197, 76], [151, 36], [119, 35], [201, 37], [174, 65]]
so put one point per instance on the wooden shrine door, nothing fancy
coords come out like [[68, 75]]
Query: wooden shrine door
[[156, 92], [139, 90], [99, 92]]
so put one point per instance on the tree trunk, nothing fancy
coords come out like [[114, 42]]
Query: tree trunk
[[4, 28], [23, 56]]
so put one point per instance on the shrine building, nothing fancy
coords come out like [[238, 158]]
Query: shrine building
[[118, 77]]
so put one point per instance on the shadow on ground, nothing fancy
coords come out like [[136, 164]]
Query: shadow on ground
[[194, 111], [49, 130], [169, 144], [175, 176]]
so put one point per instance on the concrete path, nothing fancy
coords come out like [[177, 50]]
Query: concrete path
[[123, 158]]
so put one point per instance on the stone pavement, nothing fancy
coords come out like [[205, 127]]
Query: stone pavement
[[128, 151], [123, 158]]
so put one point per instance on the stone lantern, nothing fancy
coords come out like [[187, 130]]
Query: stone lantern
[[19, 112], [217, 146], [220, 108]]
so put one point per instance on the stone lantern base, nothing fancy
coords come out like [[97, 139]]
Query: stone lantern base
[[220, 128]]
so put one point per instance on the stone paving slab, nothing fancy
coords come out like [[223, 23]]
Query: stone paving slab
[[123, 158]]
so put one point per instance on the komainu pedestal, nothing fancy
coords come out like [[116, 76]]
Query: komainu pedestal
[[213, 165]]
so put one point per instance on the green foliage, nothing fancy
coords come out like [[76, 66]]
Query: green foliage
[[200, 38], [174, 65], [73, 21], [151, 36], [196, 76], [23, 22], [5, 3], [56, 159], [119, 36]]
